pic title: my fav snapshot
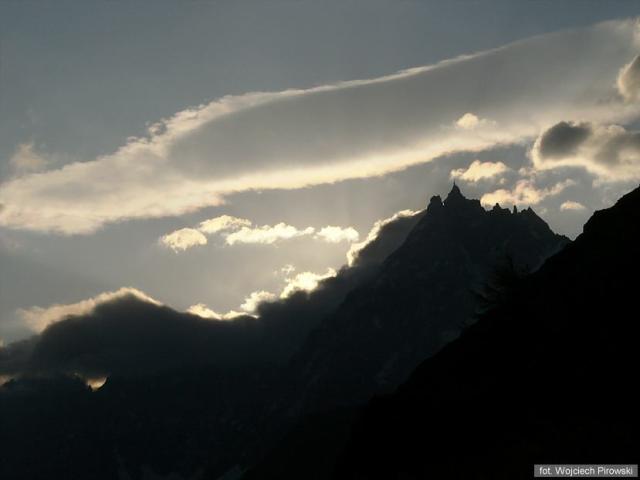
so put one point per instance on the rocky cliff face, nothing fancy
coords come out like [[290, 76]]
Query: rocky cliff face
[[424, 294], [545, 377]]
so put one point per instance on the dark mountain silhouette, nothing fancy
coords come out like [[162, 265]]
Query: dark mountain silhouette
[[199, 414], [546, 377], [422, 297]]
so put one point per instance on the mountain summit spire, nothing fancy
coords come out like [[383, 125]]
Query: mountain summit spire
[[454, 196]]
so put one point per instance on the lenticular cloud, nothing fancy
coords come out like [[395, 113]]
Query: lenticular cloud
[[298, 138]]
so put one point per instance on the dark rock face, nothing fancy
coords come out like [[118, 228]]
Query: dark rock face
[[545, 377], [422, 297]]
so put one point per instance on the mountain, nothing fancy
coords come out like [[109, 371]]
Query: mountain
[[408, 293], [547, 376], [423, 295]]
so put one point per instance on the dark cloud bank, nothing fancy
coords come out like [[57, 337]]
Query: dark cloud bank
[[131, 336]]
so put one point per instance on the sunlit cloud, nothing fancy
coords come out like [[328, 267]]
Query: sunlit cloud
[[469, 121], [356, 129], [267, 234], [524, 193], [250, 304], [38, 318], [305, 281], [356, 248], [479, 171], [570, 205], [334, 234], [201, 310], [183, 239], [95, 383], [223, 223]]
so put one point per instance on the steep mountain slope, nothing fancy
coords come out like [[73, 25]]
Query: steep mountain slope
[[546, 377], [423, 295]]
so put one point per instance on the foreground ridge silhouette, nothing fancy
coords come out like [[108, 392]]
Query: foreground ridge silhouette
[[546, 377]]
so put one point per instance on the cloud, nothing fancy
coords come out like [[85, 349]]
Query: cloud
[[355, 129], [201, 310], [38, 318], [629, 80], [267, 234], [126, 332], [479, 171], [305, 281], [251, 303], [609, 152], [26, 159], [524, 192], [469, 121], [223, 223], [288, 269], [240, 230], [570, 205], [183, 239], [384, 237], [334, 234], [562, 140]]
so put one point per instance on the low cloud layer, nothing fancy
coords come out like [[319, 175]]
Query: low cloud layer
[[611, 153], [38, 318], [126, 332], [356, 129]]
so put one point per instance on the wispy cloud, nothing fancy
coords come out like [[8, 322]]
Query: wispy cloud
[[26, 159], [356, 129], [629, 80]]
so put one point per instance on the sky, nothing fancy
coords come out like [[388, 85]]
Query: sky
[[211, 154]]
